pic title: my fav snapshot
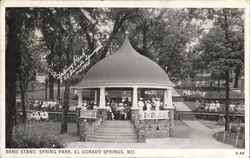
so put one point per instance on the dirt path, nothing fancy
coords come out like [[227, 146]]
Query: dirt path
[[202, 136]]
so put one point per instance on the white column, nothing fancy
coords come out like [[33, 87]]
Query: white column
[[135, 98], [95, 93], [170, 103], [102, 98], [169, 99], [80, 97], [165, 98]]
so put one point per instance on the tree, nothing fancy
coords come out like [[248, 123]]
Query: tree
[[14, 19], [220, 51], [30, 65], [163, 35]]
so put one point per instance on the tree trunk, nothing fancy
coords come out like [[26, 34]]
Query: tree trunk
[[51, 87], [13, 59], [46, 89], [117, 25], [237, 76], [69, 60], [24, 116], [23, 89], [51, 78], [218, 86], [59, 68], [64, 125], [16, 119], [144, 39], [227, 101], [58, 88], [10, 104]]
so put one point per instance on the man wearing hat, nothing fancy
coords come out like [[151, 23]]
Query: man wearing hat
[[197, 104], [95, 106], [212, 107], [121, 109], [84, 105], [140, 104], [217, 106], [148, 105], [157, 104]]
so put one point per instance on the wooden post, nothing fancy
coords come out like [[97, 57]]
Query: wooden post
[[224, 136]]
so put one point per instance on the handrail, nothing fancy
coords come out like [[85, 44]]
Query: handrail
[[147, 115], [88, 113], [209, 113]]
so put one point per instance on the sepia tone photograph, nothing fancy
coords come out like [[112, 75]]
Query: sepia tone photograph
[[116, 78]]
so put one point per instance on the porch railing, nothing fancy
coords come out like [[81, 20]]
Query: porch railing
[[88, 114], [143, 115]]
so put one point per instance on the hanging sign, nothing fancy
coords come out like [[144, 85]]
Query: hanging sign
[[79, 64]]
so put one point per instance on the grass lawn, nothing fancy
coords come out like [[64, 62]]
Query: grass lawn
[[190, 104], [230, 139], [53, 128]]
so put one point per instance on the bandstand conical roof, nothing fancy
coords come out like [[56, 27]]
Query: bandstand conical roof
[[124, 68]]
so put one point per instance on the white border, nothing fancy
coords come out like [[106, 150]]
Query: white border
[[141, 4]]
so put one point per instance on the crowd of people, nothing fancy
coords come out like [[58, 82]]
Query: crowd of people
[[48, 105], [122, 110], [216, 106], [193, 93], [39, 109], [37, 116]]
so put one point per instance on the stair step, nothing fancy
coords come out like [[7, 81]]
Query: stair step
[[116, 129], [117, 122], [113, 141], [113, 137], [125, 121], [115, 133], [124, 124]]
